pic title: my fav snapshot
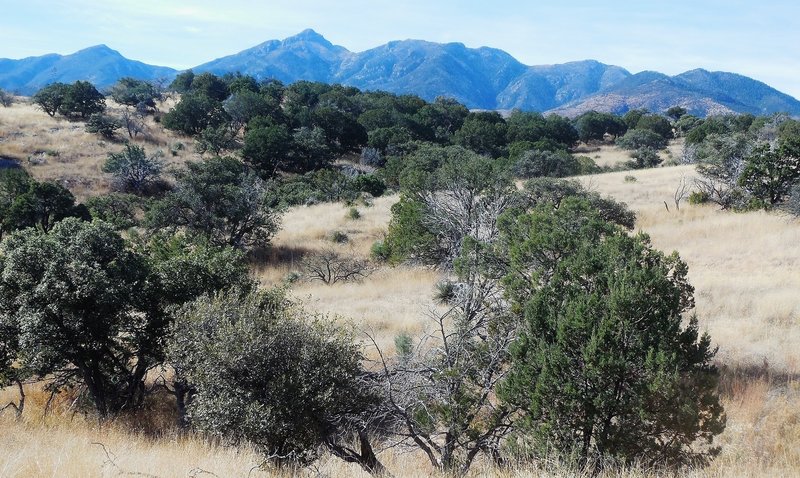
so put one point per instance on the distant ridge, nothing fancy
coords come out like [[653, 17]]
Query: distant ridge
[[481, 78], [99, 64]]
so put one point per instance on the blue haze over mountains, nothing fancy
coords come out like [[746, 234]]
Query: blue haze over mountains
[[481, 78]]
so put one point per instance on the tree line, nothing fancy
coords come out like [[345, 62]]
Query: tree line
[[293, 132], [747, 162]]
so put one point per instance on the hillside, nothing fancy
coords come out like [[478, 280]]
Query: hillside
[[56, 149], [699, 91], [98, 64], [481, 78]]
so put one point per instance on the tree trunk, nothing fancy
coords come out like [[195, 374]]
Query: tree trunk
[[94, 383], [366, 458], [18, 407], [183, 396], [371, 464]]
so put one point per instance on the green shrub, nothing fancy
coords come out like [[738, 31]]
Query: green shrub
[[644, 157], [587, 165], [534, 164], [119, 210], [82, 99], [369, 183], [378, 251], [353, 214], [339, 237], [133, 169], [265, 372], [609, 366], [641, 138], [403, 344], [103, 125], [698, 197], [297, 192]]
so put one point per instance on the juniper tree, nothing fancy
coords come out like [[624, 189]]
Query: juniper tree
[[604, 368]]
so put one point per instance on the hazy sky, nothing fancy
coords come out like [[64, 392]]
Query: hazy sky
[[760, 39]]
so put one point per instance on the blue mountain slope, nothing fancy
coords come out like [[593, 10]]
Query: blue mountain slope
[[484, 78], [306, 56], [98, 64], [699, 91]]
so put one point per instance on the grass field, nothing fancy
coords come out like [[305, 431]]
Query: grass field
[[608, 155], [56, 149], [743, 267]]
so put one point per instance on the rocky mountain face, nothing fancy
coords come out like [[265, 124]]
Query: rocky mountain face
[[481, 78]]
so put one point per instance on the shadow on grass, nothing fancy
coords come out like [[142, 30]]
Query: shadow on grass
[[734, 377], [277, 256]]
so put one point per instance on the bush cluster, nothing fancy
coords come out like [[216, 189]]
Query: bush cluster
[[747, 162]]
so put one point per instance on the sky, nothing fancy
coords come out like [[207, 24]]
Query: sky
[[757, 39]]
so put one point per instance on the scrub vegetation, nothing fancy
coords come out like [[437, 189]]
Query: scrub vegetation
[[234, 277]]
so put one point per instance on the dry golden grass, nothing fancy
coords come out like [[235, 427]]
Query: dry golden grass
[[762, 440], [608, 155], [56, 149], [309, 227], [604, 154], [391, 300], [744, 266]]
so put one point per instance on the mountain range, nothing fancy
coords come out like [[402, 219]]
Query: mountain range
[[481, 78]]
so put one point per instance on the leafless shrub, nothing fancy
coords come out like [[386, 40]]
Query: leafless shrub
[[331, 267], [460, 212], [6, 98], [133, 122], [681, 191], [440, 389]]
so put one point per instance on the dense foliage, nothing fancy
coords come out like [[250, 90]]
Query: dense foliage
[[133, 169], [78, 100], [560, 334], [603, 369], [25, 202], [265, 372], [86, 309], [221, 200]]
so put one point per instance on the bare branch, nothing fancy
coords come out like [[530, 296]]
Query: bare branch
[[331, 267]]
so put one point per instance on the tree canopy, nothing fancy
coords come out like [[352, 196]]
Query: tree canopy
[[604, 369], [223, 201]]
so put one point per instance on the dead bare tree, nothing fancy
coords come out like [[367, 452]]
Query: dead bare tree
[[722, 158], [439, 394], [19, 406], [460, 212], [331, 267], [440, 397], [681, 191], [133, 121]]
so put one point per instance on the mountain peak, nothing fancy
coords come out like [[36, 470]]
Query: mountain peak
[[307, 35], [100, 49]]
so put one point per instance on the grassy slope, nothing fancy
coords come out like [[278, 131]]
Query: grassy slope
[[55, 149], [741, 265]]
